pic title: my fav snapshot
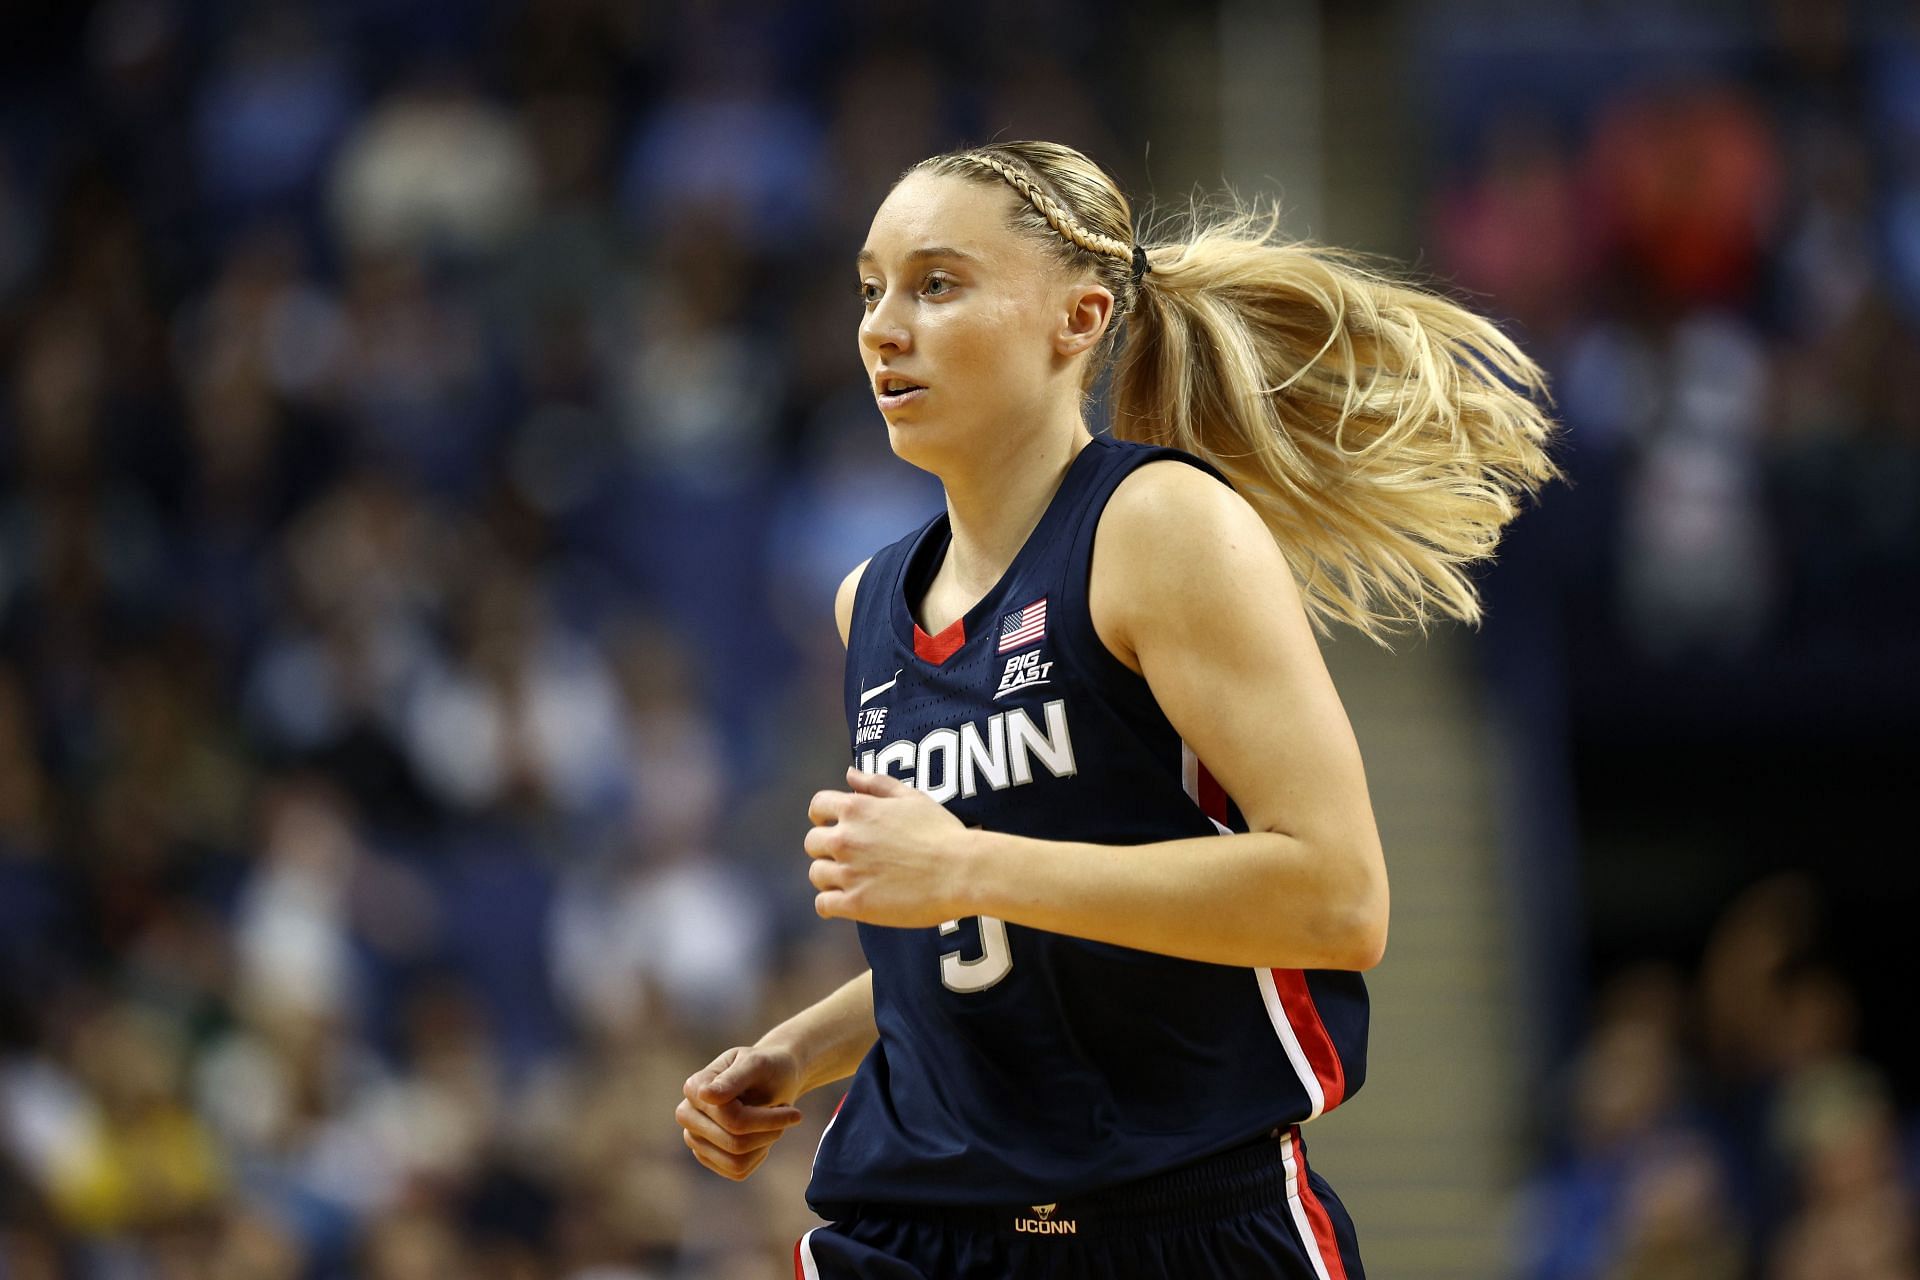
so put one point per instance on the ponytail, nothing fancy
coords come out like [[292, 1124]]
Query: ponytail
[[1382, 431]]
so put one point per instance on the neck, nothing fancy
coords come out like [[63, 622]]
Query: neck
[[996, 496]]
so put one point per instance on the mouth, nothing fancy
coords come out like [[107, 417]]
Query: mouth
[[893, 391]]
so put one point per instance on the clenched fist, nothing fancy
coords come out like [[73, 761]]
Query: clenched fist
[[887, 853], [737, 1106]]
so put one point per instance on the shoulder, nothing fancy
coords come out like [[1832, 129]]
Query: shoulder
[[843, 599], [1168, 519], [1173, 545], [1168, 498]]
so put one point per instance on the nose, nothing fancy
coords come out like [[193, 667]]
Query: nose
[[881, 327]]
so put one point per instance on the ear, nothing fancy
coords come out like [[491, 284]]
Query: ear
[[1083, 321]]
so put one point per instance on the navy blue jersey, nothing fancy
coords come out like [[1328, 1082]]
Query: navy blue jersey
[[1015, 1064]]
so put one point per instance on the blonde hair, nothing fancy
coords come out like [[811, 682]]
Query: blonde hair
[[1382, 431]]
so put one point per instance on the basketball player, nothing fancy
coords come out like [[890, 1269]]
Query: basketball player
[[1107, 833]]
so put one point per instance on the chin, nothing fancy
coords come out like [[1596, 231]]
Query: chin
[[910, 444], [919, 439]]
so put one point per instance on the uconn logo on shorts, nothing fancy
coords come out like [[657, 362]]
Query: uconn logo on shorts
[[1045, 1224]]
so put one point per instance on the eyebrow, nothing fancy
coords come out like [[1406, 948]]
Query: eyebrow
[[867, 256]]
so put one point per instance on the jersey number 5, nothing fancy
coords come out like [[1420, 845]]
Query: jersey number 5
[[991, 965]]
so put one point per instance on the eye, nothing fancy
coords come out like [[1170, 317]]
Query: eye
[[868, 290]]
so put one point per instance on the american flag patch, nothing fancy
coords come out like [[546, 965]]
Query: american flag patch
[[1024, 625]]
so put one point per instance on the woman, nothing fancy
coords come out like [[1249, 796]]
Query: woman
[[1107, 833]]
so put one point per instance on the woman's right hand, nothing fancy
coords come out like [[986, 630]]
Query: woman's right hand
[[737, 1106]]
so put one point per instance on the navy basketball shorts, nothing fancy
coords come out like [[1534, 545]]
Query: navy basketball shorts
[[1254, 1213]]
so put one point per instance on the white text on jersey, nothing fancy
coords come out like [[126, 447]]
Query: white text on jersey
[[1023, 670], [998, 752]]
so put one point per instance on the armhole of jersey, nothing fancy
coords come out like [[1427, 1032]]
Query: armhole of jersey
[[873, 603], [1077, 589], [867, 593], [863, 592]]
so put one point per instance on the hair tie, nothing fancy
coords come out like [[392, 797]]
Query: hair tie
[[1141, 266]]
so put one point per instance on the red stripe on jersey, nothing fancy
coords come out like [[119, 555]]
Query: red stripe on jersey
[[1295, 997], [1318, 1217], [937, 649], [799, 1272], [1304, 1016], [1213, 796]]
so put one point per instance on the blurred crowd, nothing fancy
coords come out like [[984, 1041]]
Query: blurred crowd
[[1712, 236], [430, 438], [1723, 1123], [1709, 229]]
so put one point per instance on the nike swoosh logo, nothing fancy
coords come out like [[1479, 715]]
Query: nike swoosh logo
[[879, 689]]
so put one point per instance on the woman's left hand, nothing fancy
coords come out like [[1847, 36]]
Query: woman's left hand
[[886, 853]]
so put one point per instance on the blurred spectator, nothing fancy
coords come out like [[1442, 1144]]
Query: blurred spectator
[[434, 168], [269, 110], [1726, 1127]]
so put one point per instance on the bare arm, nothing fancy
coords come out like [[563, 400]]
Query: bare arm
[[827, 1039], [737, 1106]]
